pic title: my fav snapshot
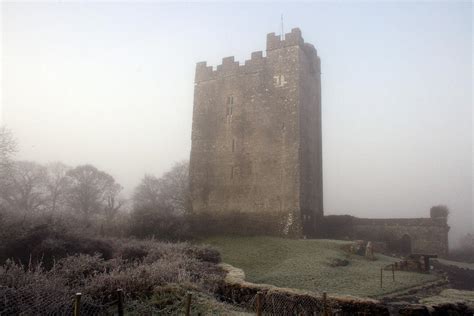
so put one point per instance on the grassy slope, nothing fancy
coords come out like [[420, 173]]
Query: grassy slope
[[303, 264]]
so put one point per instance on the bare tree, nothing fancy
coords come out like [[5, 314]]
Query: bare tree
[[175, 191], [23, 187], [148, 193], [8, 147], [57, 185], [113, 203], [91, 191], [170, 192]]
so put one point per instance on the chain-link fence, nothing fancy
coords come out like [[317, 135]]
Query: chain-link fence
[[27, 302], [280, 303]]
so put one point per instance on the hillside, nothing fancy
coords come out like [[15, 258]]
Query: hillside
[[305, 264]]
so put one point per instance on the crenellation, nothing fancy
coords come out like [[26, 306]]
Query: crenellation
[[203, 72], [294, 38], [242, 160], [228, 64], [229, 67], [256, 156], [258, 55]]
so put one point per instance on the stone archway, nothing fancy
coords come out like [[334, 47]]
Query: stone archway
[[405, 244]]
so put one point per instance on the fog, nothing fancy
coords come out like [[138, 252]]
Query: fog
[[112, 85]]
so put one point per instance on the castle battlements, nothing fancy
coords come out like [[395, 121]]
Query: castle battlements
[[230, 67], [293, 38]]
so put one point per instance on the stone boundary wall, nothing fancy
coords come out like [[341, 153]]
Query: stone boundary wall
[[236, 290], [426, 235]]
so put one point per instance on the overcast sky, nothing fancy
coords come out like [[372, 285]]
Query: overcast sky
[[112, 85]]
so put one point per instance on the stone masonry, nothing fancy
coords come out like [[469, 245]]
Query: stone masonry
[[256, 155], [256, 138]]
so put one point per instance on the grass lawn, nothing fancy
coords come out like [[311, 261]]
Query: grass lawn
[[304, 264]]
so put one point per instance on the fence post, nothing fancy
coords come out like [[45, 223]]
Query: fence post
[[393, 272], [120, 302], [324, 304], [188, 304], [77, 304], [381, 276], [259, 304]]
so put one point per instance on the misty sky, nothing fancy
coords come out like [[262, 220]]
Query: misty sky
[[112, 85]]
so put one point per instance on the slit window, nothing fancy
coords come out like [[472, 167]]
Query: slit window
[[233, 145], [230, 99], [232, 172]]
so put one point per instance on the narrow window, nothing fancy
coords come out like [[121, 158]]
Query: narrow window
[[232, 172], [233, 145], [230, 110]]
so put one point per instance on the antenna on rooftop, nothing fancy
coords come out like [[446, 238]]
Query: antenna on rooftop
[[282, 35]]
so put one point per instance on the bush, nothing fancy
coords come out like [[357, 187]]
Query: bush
[[161, 224], [143, 269], [439, 211], [47, 245]]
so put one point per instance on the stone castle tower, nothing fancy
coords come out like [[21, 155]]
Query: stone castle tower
[[256, 140]]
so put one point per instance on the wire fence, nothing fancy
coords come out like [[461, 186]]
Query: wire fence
[[25, 302]]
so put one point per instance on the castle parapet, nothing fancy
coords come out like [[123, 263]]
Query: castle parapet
[[293, 38], [229, 67]]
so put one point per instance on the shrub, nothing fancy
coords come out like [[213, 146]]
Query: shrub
[[141, 268], [47, 245], [158, 223], [204, 253]]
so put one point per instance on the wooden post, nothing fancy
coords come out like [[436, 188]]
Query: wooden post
[[324, 304], [381, 276], [188, 304], [120, 302], [77, 304], [259, 304], [393, 272]]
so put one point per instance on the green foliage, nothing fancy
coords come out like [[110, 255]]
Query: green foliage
[[306, 264]]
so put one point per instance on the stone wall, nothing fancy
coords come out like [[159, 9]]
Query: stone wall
[[249, 125], [424, 235]]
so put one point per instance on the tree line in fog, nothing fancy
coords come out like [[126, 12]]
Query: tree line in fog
[[88, 199]]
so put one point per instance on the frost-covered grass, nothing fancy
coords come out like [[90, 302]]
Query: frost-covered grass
[[451, 296], [304, 264], [458, 264]]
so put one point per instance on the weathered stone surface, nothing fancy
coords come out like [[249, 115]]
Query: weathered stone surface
[[428, 235], [414, 235], [256, 137], [256, 155]]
